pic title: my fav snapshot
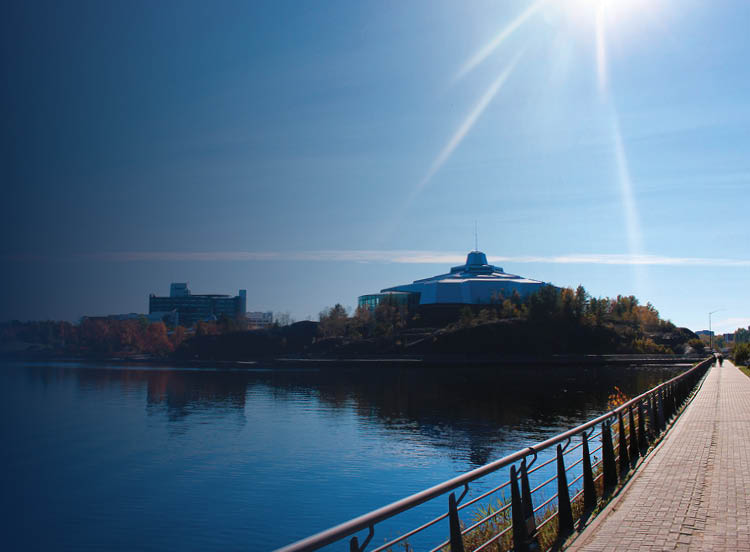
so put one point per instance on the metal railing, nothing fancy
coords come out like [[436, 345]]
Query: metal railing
[[516, 523]]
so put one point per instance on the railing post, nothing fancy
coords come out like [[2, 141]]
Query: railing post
[[526, 502], [520, 538], [623, 447], [564, 511], [608, 460], [653, 429], [354, 545], [457, 541], [670, 401], [589, 489], [660, 410], [642, 439], [633, 438], [688, 389]]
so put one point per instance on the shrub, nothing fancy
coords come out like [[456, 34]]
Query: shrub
[[697, 344], [741, 353]]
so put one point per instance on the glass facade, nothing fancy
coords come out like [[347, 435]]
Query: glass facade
[[395, 298], [192, 308]]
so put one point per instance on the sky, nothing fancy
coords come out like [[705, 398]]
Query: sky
[[314, 152]]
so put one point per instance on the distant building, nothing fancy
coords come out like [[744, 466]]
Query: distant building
[[707, 333], [728, 338], [473, 283], [260, 319], [192, 308]]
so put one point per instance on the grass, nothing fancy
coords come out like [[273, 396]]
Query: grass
[[489, 525], [546, 536], [744, 369]]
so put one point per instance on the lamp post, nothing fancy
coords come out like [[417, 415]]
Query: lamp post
[[710, 333]]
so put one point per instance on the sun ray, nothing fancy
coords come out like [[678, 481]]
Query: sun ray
[[449, 148], [625, 183], [632, 224], [468, 123], [484, 52], [601, 50]]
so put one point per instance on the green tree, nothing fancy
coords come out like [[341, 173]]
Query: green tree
[[741, 353], [742, 335], [544, 304], [581, 302], [697, 344]]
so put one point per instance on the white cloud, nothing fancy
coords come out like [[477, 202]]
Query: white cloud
[[411, 257], [729, 325]]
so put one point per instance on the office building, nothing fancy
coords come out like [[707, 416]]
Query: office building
[[260, 319], [193, 308]]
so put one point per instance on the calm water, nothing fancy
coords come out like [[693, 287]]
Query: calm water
[[99, 457]]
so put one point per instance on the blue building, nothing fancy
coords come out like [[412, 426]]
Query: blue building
[[475, 283]]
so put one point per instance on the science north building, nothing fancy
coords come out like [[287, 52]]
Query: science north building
[[475, 283]]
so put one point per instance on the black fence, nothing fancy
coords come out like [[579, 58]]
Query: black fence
[[586, 473]]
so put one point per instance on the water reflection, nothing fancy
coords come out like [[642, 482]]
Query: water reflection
[[115, 457], [181, 393], [469, 412]]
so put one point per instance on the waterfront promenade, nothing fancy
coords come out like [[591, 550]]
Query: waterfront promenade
[[691, 491]]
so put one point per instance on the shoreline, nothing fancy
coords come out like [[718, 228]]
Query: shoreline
[[412, 361]]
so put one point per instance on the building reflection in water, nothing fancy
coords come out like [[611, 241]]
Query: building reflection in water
[[181, 393], [469, 412]]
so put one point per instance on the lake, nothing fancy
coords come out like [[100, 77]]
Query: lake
[[115, 457]]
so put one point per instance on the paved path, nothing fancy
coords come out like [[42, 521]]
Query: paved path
[[693, 491]]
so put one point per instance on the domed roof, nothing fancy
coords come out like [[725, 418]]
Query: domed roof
[[475, 282], [476, 258], [476, 263]]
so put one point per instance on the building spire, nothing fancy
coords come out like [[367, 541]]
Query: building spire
[[476, 238]]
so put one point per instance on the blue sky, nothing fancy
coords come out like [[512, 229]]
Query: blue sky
[[315, 152]]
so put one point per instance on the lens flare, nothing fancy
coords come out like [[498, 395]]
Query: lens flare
[[468, 123], [601, 51], [632, 224], [451, 146], [493, 44]]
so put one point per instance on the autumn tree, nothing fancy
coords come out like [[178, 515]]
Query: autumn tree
[[362, 322], [157, 342], [333, 321], [177, 337]]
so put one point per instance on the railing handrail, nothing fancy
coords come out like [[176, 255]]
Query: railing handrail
[[369, 519]]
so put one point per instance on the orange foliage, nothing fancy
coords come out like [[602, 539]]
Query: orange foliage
[[617, 398]]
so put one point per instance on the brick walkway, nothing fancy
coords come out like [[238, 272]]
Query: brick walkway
[[693, 491]]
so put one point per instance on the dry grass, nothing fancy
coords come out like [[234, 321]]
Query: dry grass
[[546, 535]]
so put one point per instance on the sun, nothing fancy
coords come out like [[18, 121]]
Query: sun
[[613, 13]]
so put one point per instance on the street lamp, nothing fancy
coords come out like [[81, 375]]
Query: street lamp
[[710, 333]]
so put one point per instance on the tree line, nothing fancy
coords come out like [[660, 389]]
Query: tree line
[[547, 308]]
